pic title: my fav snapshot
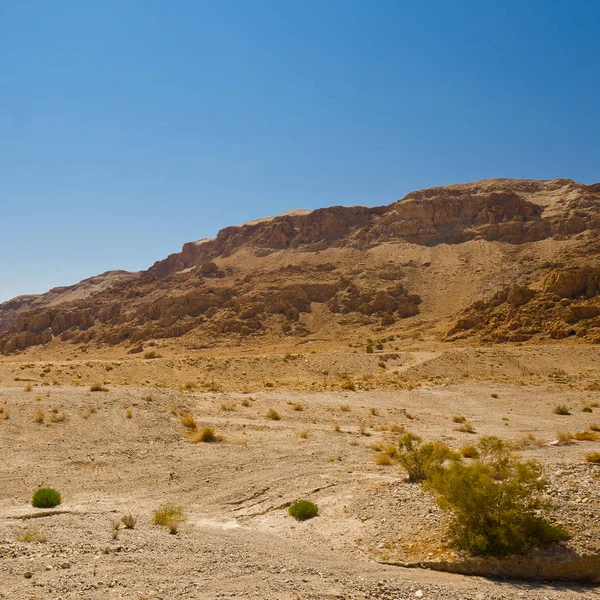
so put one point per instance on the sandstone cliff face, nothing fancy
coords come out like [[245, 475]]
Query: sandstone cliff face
[[206, 291]]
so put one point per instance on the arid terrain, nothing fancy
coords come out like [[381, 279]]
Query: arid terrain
[[309, 342]]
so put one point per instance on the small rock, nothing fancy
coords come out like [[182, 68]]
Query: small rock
[[419, 594], [28, 575]]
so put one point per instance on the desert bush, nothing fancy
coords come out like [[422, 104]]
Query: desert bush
[[497, 502], [98, 387], [228, 406], [382, 459], [46, 498], [152, 354], [373, 411], [594, 427], [28, 387], [564, 438], [303, 435], [494, 395], [129, 521], [38, 416], [302, 510], [469, 452], [205, 436], [336, 427], [529, 440], [167, 513], [273, 415], [297, 406], [561, 409], [344, 408], [593, 457], [587, 409], [245, 403], [188, 421], [466, 427], [594, 404], [369, 349], [421, 460], [458, 419], [349, 385], [586, 436], [397, 428]]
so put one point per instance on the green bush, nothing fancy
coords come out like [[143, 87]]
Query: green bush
[[46, 498], [302, 510], [497, 502], [422, 460]]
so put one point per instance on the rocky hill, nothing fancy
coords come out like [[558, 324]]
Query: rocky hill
[[494, 261]]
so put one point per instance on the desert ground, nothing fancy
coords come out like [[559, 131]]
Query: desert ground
[[127, 450]]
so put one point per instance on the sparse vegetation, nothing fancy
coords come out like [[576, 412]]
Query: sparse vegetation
[[29, 534], [129, 413], [98, 387], [297, 406], [586, 436], [152, 355], [561, 409], [303, 510], [206, 435], [466, 427], [168, 513], [564, 438], [303, 435], [345, 408], [594, 427], [587, 409], [273, 415], [593, 457], [458, 419], [46, 498], [382, 459], [349, 385], [245, 403], [38, 416], [188, 421], [129, 521], [494, 395]]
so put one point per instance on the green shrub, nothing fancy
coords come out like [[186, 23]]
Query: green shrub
[[497, 502], [302, 510], [46, 498], [421, 460]]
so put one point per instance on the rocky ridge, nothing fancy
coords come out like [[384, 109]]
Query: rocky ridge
[[339, 269]]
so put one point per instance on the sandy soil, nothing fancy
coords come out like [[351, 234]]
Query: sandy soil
[[125, 451]]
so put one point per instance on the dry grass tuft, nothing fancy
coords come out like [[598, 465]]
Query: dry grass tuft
[[129, 521], [459, 419], [297, 406], [168, 513], [98, 387], [273, 415], [205, 436], [593, 457], [345, 408], [382, 459], [469, 452], [31, 533], [529, 440], [303, 435], [466, 427], [586, 436], [38, 416], [564, 438], [188, 421], [594, 427], [561, 409]]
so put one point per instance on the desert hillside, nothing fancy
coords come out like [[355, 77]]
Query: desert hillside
[[496, 260]]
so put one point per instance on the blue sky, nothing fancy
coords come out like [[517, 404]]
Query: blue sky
[[130, 127]]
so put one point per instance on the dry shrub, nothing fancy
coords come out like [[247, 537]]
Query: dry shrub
[[129, 413], [98, 387], [586, 436], [459, 419], [397, 428], [345, 408], [303, 435], [245, 403], [594, 427], [29, 534], [469, 452], [564, 438], [228, 406], [593, 457], [273, 415], [297, 406], [529, 440], [466, 427], [206, 436], [188, 421], [373, 411], [38, 416], [129, 521], [336, 426], [167, 513], [349, 385], [561, 409], [57, 417], [28, 387], [382, 459]]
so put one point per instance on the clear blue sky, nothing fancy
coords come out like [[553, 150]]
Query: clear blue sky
[[128, 128]]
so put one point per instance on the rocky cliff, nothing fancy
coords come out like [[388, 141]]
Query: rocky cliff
[[435, 262]]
